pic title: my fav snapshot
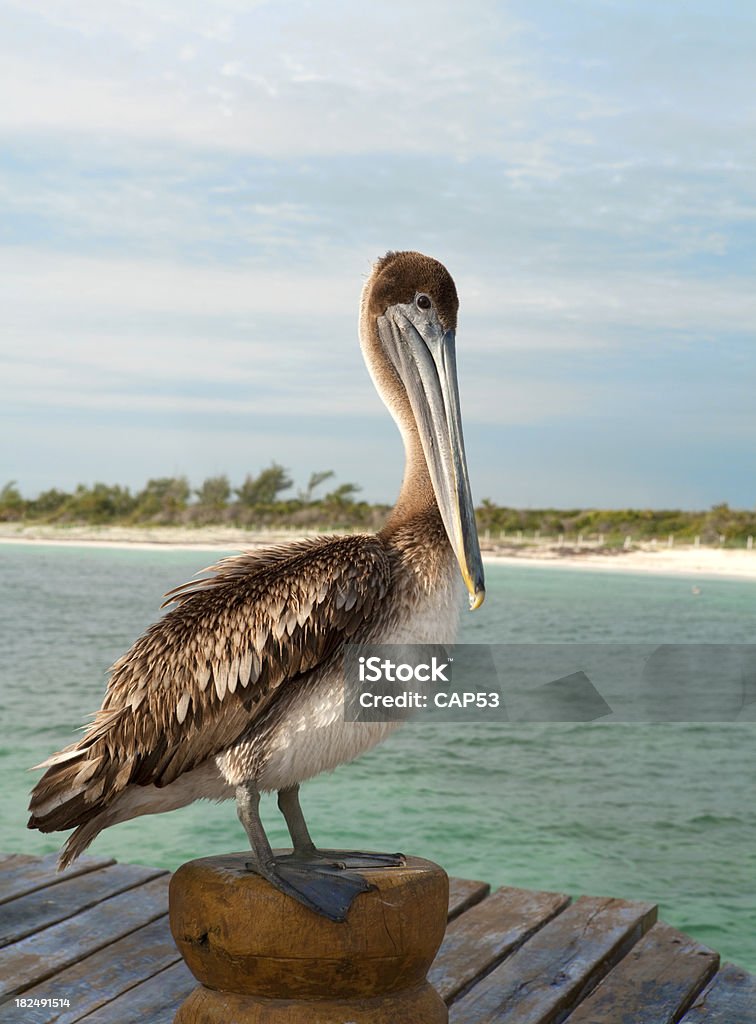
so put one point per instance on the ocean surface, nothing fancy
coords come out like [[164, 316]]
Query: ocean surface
[[663, 812]]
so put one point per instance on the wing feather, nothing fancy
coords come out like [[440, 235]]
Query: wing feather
[[195, 681]]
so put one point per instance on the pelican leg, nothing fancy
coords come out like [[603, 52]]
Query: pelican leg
[[248, 810], [305, 850], [289, 806], [322, 888]]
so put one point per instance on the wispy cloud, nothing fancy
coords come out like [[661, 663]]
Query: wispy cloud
[[264, 79], [191, 195]]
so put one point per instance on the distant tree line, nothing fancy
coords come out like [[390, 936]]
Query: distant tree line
[[260, 502], [720, 521]]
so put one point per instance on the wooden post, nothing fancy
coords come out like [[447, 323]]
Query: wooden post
[[749, 543], [671, 540], [263, 958]]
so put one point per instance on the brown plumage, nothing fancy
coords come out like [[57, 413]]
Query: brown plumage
[[201, 703], [192, 683]]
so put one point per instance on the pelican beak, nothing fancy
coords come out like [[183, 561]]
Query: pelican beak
[[423, 354]]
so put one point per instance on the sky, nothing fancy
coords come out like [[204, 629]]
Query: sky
[[192, 193]]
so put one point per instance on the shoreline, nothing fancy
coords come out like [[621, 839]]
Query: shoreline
[[683, 560]]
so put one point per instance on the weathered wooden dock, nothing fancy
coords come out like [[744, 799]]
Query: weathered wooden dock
[[96, 938]]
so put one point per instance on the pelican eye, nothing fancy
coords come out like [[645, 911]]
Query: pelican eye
[[423, 302]]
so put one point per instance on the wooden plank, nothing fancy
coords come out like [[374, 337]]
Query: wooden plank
[[9, 860], [105, 975], [20, 879], [544, 979], [729, 999], [657, 980], [39, 956], [464, 894], [481, 937], [155, 1000], [40, 909]]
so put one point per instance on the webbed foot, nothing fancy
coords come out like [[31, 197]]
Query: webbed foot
[[326, 889]]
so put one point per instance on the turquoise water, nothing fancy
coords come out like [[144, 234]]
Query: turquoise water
[[660, 812]]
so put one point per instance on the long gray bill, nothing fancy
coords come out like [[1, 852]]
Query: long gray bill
[[424, 356]]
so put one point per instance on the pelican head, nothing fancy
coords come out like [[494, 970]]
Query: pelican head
[[407, 329]]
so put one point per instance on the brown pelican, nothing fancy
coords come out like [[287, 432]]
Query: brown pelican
[[238, 689]]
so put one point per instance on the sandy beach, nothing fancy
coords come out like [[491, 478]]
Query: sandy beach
[[684, 560], [681, 560]]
